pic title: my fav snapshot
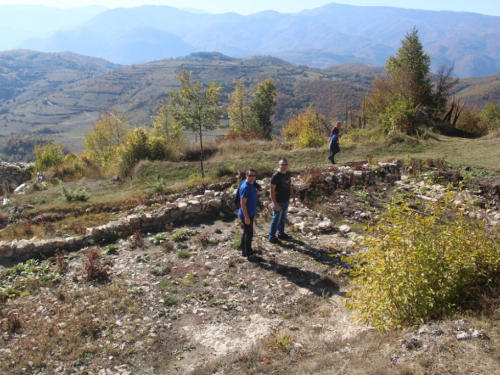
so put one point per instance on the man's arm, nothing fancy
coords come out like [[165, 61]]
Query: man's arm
[[243, 202], [273, 197]]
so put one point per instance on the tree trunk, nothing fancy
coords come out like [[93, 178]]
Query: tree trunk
[[201, 155]]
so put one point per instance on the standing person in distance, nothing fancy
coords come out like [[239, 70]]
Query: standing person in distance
[[281, 191], [334, 147], [247, 211]]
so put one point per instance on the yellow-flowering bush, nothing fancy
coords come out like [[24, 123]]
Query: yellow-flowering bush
[[307, 129], [417, 268]]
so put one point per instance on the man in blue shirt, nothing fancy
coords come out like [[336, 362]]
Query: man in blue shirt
[[247, 211]]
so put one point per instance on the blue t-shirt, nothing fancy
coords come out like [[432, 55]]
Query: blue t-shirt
[[249, 192]]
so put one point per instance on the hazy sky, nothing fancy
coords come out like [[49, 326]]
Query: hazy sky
[[490, 7]]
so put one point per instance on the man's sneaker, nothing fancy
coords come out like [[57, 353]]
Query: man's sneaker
[[274, 240], [284, 236]]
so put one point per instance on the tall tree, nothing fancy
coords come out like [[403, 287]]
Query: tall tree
[[238, 110], [195, 108], [263, 107], [406, 98], [410, 68]]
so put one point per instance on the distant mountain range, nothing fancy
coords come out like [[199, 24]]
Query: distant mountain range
[[329, 35]]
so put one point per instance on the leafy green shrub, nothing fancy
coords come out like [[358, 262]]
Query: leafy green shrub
[[76, 194], [418, 268]]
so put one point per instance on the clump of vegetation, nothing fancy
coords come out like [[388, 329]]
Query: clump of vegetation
[[13, 323], [422, 267], [93, 268], [48, 155], [61, 260], [306, 129], [183, 235], [169, 301], [76, 194], [184, 254], [279, 340]]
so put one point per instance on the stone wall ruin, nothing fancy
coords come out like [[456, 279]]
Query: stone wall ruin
[[12, 175]]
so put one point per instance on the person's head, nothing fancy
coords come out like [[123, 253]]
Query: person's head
[[251, 176], [338, 124], [283, 165]]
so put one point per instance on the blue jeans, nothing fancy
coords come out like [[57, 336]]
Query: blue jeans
[[279, 220]]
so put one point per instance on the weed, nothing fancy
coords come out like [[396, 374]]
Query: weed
[[279, 341], [61, 260], [184, 254], [144, 258], [237, 243], [183, 235], [191, 277], [160, 271], [203, 239], [169, 301], [158, 239], [93, 269], [110, 249], [13, 323]]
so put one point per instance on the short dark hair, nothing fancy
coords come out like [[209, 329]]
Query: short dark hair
[[251, 170]]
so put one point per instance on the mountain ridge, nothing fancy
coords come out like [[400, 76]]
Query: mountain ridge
[[337, 32]]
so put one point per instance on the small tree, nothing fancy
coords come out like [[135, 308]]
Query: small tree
[[165, 127], [263, 107], [101, 144], [195, 108], [490, 116], [239, 114]]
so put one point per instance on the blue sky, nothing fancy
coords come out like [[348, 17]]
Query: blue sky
[[490, 7]]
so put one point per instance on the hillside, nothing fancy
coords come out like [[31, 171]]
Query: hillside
[[329, 35], [67, 100], [476, 92]]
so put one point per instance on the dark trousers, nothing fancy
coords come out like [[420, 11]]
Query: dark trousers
[[334, 149], [246, 238]]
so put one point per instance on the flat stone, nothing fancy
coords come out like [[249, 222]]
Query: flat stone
[[134, 219]]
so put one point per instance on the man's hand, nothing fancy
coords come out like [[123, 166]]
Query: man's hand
[[294, 202], [276, 207], [247, 220]]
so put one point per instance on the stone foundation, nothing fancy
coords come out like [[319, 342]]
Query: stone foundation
[[12, 175]]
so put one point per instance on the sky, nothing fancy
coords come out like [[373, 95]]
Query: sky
[[489, 7]]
